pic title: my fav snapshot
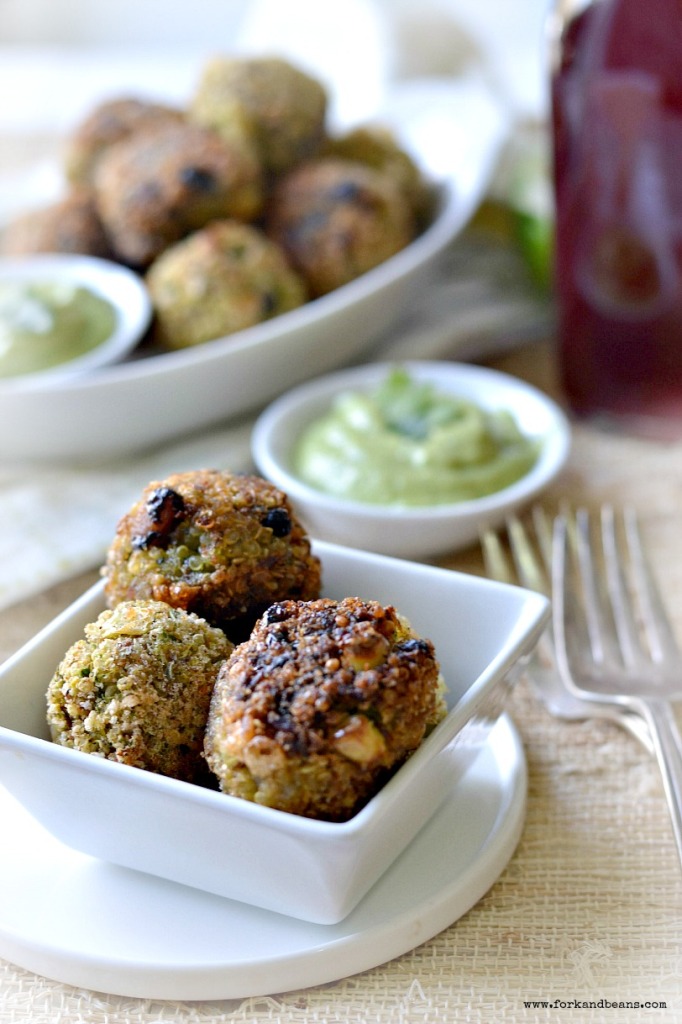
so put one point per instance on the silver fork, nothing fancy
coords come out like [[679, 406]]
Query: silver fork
[[530, 566], [614, 643]]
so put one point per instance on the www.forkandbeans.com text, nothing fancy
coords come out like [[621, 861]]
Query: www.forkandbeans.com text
[[593, 1004]]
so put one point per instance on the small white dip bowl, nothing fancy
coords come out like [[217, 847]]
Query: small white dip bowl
[[415, 531], [121, 287]]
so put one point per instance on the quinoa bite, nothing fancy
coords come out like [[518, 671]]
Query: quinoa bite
[[220, 279], [153, 188], [320, 705], [136, 688], [71, 225], [377, 147], [109, 122], [223, 545], [337, 219], [284, 107]]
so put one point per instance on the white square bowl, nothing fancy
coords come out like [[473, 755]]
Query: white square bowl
[[314, 870]]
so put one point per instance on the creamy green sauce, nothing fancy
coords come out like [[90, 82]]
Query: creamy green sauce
[[46, 323], [406, 443]]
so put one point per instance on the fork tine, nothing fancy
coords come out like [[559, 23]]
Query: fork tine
[[495, 559], [657, 626], [563, 605], [588, 576], [543, 532], [542, 674], [528, 566], [519, 568], [608, 679], [621, 606], [578, 584]]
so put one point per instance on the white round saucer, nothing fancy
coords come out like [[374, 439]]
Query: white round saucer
[[87, 923]]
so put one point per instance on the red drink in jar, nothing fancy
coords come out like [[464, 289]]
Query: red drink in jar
[[617, 117]]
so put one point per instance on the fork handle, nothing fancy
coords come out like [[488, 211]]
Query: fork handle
[[668, 749]]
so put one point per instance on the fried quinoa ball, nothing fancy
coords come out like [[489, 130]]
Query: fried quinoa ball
[[108, 123], [69, 225], [137, 688], [220, 279], [154, 188], [377, 147], [284, 107], [336, 219], [222, 545], [315, 710]]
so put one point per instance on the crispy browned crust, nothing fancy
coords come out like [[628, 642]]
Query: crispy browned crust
[[69, 225], [320, 704], [155, 187], [283, 107], [222, 545], [110, 122], [336, 219], [221, 279]]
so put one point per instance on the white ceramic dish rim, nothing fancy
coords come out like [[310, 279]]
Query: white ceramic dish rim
[[124, 289], [317, 393], [374, 810]]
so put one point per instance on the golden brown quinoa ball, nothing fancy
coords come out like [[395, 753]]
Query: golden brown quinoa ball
[[69, 225], [154, 188], [377, 147], [222, 545], [284, 107], [315, 710], [136, 689], [108, 123], [336, 219], [223, 278]]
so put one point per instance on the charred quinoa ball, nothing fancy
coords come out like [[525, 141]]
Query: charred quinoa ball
[[222, 545], [223, 278], [336, 219], [284, 107], [69, 225], [136, 689], [315, 710], [377, 147], [153, 188], [108, 123]]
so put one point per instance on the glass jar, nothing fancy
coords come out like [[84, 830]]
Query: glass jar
[[617, 153]]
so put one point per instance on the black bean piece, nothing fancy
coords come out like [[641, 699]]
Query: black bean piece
[[165, 505], [198, 179], [269, 303], [275, 613], [277, 520], [164, 508], [415, 646], [346, 191]]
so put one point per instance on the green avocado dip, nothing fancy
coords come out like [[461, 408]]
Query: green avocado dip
[[406, 443], [46, 323]]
